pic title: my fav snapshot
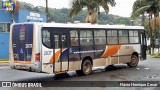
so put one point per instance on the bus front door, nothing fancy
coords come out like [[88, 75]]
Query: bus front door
[[143, 45], [60, 53]]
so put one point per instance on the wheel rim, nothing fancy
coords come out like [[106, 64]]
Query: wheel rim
[[87, 67], [134, 60]]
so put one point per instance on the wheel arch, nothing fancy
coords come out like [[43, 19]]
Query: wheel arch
[[135, 53], [87, 57]]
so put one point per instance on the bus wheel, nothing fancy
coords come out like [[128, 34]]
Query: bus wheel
[[86, 68], [134, 61], [30, 69], [13, 67]]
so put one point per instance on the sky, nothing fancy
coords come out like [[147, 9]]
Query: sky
[[122, 8]]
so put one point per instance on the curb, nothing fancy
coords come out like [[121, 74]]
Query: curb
[[1, 62]]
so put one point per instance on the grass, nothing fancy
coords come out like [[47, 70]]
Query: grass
[[3, 59], [155, 55]]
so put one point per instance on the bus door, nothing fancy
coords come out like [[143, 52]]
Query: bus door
[[60, 52], [143, 45]]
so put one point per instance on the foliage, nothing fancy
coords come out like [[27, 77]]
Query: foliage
[[78, 5], [3, 59], [142, 6], [62, 15], [92, 6], [152, 7]]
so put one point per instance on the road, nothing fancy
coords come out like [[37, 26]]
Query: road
[[147, 70]]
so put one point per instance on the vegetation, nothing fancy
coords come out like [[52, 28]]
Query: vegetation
[[3, 59], [93, 6], [152, 7], [62, 15]]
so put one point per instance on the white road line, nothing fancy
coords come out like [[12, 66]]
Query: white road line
[[138, 68], [4, 67], [146, 68]]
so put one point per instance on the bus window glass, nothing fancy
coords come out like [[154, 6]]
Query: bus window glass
[[114, 33], [86, 37], [131, 33], [133, 37], [99, 37], [123, 36], [112, 37], [46, 38], [135, 33], [56, 42], [64, 41], [74, 38]]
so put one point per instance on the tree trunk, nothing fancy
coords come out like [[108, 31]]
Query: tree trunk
[[12, 17], [91, 17], [151, 25], [143, 19], [150, 31], [46, 10]]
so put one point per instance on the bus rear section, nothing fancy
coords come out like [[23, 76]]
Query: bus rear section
[[22, 54]]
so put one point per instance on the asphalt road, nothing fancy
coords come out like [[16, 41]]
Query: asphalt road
[[147, 70]]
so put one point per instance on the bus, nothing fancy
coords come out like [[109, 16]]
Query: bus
[[58, 48]]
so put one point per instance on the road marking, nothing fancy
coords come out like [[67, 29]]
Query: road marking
[[146, 68], [4, 67], [138, 68]]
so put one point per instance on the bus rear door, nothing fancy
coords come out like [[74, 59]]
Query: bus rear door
[[60, 52]]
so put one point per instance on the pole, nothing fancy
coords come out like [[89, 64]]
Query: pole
[[47, 11]]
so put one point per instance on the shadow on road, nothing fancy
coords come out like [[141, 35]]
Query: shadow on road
[[61, 76], [73, 76], [94, 72]]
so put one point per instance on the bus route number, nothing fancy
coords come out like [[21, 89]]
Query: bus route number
[[28, 45]]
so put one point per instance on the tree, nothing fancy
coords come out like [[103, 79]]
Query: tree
[[93, 7], [15, 9], [46, 10], [152, 8]]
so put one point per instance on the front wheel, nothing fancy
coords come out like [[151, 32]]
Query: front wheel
[[86, 68], [134, 61]]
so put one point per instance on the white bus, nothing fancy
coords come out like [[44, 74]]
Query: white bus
[[58, 48]]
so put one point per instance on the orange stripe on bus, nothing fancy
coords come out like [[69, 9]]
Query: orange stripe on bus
[[111, 50], [55, 57], [22, 62]]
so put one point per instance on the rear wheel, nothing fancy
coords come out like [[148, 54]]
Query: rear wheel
[[30, 69], [86, 68], [134, 61], [12, 67]]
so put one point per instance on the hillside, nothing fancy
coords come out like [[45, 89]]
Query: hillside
[[61, 15]]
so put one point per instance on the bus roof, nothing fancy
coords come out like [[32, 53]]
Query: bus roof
[[83, 25]]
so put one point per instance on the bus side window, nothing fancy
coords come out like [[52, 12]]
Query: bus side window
[[133, 37], [46, 38], [74, 38], [86, 37], [74, 41], [99, 37], [112, 37], [123, 36]]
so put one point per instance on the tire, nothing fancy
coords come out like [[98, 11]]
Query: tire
[[30, 69], [86, 68], [12, 67], [134, 61]]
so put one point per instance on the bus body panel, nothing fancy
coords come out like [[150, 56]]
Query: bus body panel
[[69, 58], [23, 46], [46, 56]]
